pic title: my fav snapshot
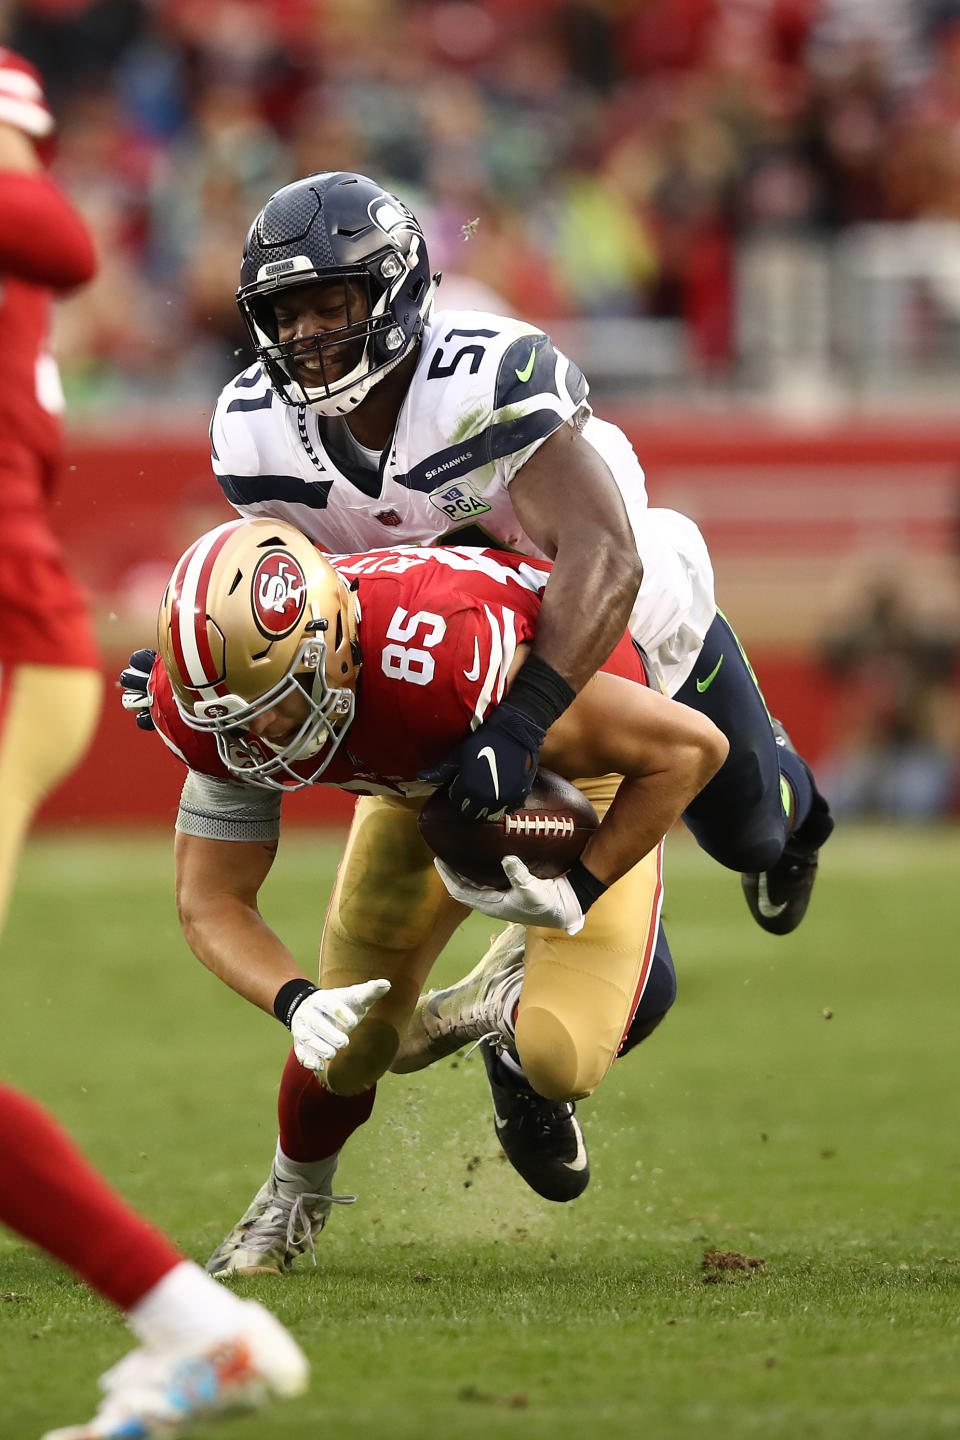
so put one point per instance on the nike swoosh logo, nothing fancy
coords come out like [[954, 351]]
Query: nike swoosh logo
[[474, 672], [579, 1161], [487, 754], [524, 375], [765, 905], [705, 684]]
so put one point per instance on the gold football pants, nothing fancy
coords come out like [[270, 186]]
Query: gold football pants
[[48, 714], [391, 916]]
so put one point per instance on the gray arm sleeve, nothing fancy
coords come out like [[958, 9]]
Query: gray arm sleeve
[[227, 810]]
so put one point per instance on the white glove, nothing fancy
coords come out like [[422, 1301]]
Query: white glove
[[135, 680], [529, 901], [322, 1023]]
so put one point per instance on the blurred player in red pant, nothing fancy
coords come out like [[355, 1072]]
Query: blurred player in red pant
[[49, 666], [203, 1350]]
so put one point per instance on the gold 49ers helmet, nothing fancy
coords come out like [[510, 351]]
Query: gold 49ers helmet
[[253, 613]]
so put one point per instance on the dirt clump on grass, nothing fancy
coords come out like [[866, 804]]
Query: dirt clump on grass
[[723, 1265]]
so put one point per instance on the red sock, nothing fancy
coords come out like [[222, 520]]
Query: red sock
[[315, 1123], [51, 1195]]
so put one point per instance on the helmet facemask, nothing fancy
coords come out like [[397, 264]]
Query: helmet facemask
[[343, 360], [259, 761], [344, 229]]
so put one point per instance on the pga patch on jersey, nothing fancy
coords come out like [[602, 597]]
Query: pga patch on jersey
[[458, 501]]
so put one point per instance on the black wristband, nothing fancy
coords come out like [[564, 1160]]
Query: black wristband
[[540, 692], [288, 997], [584, 884]]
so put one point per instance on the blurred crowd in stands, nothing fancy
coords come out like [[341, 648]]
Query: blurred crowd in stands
[[566, 157], [895, 743]]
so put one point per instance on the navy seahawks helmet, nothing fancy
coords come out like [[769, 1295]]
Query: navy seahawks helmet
[[336, 226]]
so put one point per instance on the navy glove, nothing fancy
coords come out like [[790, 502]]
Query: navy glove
[[492, 769], [135, 681]]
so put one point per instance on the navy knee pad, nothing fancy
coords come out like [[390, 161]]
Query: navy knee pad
[[738, 817]]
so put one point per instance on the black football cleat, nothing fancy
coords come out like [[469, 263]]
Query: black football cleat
[[778, 897], [541, 1138]]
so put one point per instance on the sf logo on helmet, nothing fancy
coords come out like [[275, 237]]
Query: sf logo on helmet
[[279, 593]]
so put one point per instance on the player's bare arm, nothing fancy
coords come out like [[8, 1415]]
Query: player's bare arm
[[665, 751], [217, 886], [666, 754], [17, 151], [568, 503], [566, 500]]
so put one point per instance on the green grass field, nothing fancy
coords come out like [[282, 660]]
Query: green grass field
[[799, 1107]]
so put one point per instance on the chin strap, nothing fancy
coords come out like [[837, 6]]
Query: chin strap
[[344, 403], [340, 405]]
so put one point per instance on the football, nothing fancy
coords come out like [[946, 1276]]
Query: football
[[548, 832]]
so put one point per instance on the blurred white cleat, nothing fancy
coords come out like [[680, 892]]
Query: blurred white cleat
[[159, 1392]]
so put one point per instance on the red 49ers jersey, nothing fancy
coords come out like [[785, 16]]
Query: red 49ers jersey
[[45, 249], [438, 631]]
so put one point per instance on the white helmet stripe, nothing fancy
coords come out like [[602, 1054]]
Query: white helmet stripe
[[22, 102], [189, 628]]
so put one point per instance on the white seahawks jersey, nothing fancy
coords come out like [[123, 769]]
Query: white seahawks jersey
[[486, 393]]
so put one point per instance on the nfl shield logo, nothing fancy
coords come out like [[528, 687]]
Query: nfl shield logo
[[388, 517]]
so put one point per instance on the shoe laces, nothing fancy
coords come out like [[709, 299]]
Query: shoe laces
[[497, 1039], [546, 1115], [500, 1001], [491, 1008], [490, 999], [292, 1219], [300, 1215], [795, 861]]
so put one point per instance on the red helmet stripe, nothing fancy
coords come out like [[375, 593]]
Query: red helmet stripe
[[190, 585]]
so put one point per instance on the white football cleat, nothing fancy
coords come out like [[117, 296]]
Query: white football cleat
[[478, 1006], [160, 1393], [279, 1224]]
